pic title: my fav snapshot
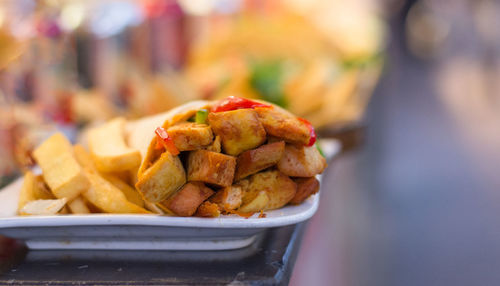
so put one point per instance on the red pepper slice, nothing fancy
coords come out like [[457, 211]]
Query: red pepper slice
[[233, 103], [312, 133], [166, 141]]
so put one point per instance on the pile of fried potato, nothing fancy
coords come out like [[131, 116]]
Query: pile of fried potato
[[80, 181]]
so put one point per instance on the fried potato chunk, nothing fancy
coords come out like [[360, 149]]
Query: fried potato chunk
[[34, 188], [186, 201], [301, 161], [107, 197], [78, 206], [109, 150], [279, 188], [239, 130], [280, 123], [190, 136], [210, 167], [162, 179], [228, 198], [83, 158], [208, 209], [61, 171], [130, 193], [43, 207], [41, 190], [27, 191], [305, 188], [125, 176], [132, 176], [263, 157]]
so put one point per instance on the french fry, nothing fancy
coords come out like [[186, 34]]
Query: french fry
[[61, 171], [93, 209], [83, 158], [43, 207], [132, 174], [122, 176], [130, 193], [41, 190], [64, 210], [109, 198], [33, 189], [78, 206], [108, 148], [27, 191]]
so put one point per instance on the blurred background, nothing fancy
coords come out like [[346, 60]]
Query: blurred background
[[410, 87], [67, 64]]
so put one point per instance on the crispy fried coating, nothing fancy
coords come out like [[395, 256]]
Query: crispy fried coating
[[190, 136], [208, 209], [187, 200], [279, 188], [305, 188], [239, 130], [228, 198], [211, 167], [282, 124], [215, 146], [162, 179], [301, 161], [263, 157]]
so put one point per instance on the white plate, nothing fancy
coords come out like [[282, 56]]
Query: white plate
[[145, 232]]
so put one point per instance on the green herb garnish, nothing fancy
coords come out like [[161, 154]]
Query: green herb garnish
[[201, 116]]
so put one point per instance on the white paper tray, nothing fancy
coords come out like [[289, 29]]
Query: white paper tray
[[144, 232]]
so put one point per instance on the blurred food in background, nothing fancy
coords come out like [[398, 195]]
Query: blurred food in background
[[321, 64], [67, 64]]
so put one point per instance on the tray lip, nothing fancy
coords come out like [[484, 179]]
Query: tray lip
[[166, 244], [159, 220]]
